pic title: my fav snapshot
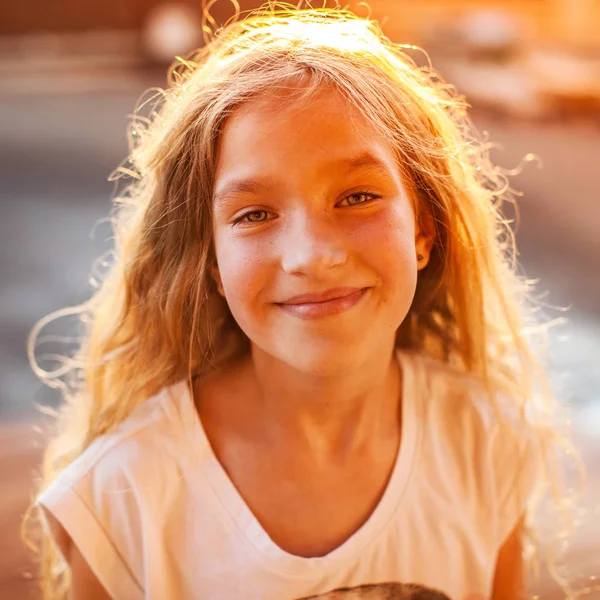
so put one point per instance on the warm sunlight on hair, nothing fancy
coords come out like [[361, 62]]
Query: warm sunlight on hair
[[158, 317]]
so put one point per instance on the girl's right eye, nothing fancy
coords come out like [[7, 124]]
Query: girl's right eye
[[247, 217]]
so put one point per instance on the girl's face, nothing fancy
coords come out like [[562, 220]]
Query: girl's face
[[307, 199]]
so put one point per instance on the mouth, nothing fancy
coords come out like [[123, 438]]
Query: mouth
[[324, 308], [331, 294]]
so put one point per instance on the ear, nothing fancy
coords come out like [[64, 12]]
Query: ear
[[214, 272], [424, 237]]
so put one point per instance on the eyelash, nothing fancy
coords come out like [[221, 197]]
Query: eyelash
[[373, 197]]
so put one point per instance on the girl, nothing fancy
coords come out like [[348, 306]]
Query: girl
[[306, 374]]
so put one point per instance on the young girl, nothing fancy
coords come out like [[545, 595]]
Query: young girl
[[306, 374]]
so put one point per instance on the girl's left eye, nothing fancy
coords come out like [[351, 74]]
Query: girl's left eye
[[370, 196]]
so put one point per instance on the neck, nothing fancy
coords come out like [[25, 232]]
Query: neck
[[330, 418]]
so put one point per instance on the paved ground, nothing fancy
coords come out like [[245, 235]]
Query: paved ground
[[58, 145]]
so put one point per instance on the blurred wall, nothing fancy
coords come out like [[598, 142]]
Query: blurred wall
[[568, 20], [75, 15]]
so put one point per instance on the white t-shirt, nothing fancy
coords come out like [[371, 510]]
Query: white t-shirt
[[156, 516]]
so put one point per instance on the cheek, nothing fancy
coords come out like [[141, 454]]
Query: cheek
[[243, 273], [387, 245]]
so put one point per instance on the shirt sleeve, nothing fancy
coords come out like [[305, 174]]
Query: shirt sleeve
[[96, 510]]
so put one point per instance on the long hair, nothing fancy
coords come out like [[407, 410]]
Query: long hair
[[157, 317]]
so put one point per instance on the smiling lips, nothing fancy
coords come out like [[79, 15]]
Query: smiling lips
[[329, 303]]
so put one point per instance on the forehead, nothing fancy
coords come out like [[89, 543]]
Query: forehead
[[276, 129]]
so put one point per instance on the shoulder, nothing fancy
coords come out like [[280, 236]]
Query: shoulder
[[109, 499], [461, 401], [148, 439], [495, 450], [128, 473]]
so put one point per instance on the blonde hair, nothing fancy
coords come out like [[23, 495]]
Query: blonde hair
[[157, 317]]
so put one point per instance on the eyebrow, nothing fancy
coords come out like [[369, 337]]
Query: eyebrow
[[365, 162]]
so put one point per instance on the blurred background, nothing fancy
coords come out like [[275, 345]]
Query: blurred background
[[71, 73]]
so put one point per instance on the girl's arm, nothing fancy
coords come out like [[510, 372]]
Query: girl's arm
[[509, 578], [84, 584]]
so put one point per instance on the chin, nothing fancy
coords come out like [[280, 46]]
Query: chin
[[324, 360]]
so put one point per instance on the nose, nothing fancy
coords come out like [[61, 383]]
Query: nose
[[312, 245]]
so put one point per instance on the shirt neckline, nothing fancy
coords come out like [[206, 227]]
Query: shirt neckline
[[249, 526]]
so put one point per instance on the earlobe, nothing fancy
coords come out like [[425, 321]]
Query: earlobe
[[424, 239], [423, 251]]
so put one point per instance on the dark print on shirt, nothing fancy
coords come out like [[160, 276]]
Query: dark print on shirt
[[382, 591]]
